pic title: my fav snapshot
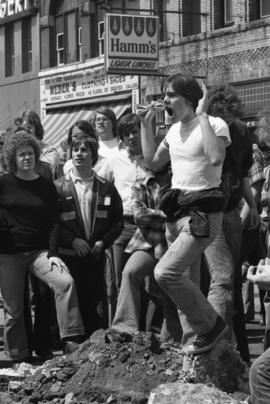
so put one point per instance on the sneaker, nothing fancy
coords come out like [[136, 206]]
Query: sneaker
[[205, 342]]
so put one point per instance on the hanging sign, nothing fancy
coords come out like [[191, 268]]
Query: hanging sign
[[131, 44]]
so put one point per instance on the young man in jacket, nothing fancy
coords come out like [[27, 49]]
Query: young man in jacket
[[91, 219]]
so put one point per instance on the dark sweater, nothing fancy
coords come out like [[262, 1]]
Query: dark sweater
[[28, 213], [238, 161]]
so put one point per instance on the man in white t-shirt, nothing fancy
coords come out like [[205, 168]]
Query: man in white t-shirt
[[195, 144]]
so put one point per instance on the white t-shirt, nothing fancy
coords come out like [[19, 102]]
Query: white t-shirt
[[108, 148], [191, 169], [123, 170]]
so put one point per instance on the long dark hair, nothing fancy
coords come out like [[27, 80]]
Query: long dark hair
[[33, 119]]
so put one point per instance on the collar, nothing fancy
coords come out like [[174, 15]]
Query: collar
[[76, 178]]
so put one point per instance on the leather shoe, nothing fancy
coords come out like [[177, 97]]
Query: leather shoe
[[70, 346], [45, 355]]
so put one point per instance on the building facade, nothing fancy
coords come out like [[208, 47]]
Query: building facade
[[224, 41], [52, 55], [19, 59]]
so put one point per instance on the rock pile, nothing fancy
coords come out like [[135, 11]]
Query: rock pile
[[116, 368]]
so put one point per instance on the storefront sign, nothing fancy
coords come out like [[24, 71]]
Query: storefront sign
[[84, 84], [131, 44], [10, 8]]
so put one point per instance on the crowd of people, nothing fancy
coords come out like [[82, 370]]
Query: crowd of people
[[133, 232]]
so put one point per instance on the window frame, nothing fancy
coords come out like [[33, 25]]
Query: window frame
[[27, 44], [101, 40], [60, 49], [226, 20], [10, 50], [64, 49], [261, 8], [79, 28]]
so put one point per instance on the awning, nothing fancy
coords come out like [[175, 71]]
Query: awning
[[57, 122]]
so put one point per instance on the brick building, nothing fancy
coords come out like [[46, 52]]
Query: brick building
[[224, 41]]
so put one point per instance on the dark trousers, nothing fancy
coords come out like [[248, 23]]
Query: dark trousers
[[38, 295], [89, 278]]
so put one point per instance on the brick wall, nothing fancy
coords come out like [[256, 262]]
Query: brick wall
[[222, 54]]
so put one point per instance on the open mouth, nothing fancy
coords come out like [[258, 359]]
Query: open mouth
[[169, 111]]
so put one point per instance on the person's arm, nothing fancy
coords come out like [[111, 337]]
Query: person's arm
[[249, 213], [260, 275], [142, 213], [106, 170], [154, 158], [214, 146]]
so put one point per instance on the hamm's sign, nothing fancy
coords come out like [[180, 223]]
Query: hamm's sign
[[131, 44]]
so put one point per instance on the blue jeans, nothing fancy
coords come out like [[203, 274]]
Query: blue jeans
[[12, 280], [127, 316], [178, 274], [259, 379], [221, 269]]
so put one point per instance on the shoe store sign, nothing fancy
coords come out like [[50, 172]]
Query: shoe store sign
[[131, 44], [10, 8]]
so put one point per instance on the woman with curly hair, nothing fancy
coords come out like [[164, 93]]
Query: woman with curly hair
[[29, 214]]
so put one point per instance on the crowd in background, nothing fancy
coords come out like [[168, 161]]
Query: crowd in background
[[119, 228]]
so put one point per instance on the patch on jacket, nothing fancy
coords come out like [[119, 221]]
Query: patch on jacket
[[102, 214], [67, 216], [107, 200]]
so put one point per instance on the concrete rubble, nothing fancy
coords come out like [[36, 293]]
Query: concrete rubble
[[117, 368]]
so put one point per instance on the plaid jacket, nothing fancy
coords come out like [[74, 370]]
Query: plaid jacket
[[150, 233]]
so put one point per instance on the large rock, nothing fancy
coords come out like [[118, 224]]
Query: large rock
[[222, 367], [186, 393]]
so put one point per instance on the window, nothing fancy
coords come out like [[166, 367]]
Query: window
[[9, 50], [80, 42], [26, 45], [101, 38], [60, 48], [68, 38], [191, 18], [71, 35], [228, 11], [265, 8]]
